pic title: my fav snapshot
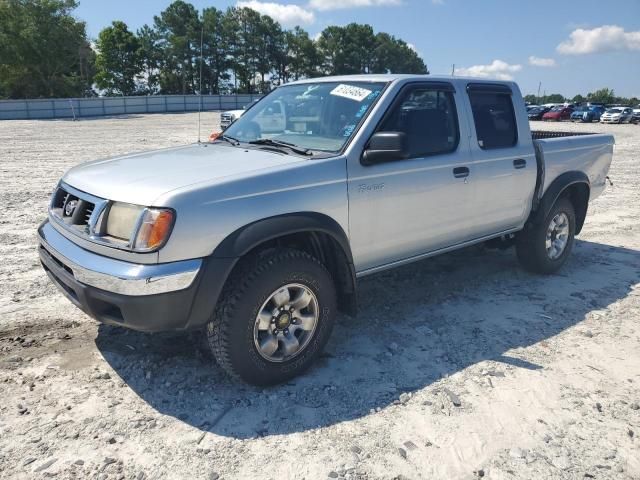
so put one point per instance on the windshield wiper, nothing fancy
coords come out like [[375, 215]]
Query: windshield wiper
[[233, 141], [279, 143]]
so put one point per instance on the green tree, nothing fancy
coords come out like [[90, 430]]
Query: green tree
[[44, 50], [119, 62], [531, 99], [578, 99], [179, 29], [150, 57], [393, 55], [347, 50], [355, 49], [271, 47], [552, 98], [215, 52], [242, 27], [300, 57], [604, 95]]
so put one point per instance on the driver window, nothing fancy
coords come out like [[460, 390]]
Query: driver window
[[429, 119]]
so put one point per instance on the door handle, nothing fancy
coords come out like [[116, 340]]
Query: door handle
[[461, 172], [519, 163]]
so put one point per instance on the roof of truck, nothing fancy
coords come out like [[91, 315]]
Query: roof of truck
[[389, 77]]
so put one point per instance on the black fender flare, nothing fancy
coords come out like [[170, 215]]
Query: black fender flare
[[246, 238], [218, 266], [250, 236], [555, 190]]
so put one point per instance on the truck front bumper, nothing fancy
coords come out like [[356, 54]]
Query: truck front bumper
[[158, 297]]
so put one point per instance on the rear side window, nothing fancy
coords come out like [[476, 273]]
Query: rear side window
[[428, 117], [494, 119]]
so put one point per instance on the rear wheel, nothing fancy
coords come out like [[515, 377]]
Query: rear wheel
[[545, 247], [274, 318]]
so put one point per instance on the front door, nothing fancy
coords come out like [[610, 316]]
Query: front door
[[408, 207]]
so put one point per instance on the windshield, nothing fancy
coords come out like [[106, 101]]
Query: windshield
[[614, 110], [316, 116], [557, 109]]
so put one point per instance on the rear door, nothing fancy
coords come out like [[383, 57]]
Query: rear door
[[504, 163], [407, 207]]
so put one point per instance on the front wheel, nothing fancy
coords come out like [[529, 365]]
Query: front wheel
[[274, 318], [544, 247]]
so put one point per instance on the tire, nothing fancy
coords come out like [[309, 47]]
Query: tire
[[531, 244], [235, 331]]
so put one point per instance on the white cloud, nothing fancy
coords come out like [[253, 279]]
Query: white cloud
[[606, 38], [496, 69], [323, 5], [289, 15], [541, 62]]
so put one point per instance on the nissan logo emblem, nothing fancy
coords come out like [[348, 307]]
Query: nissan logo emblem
[[70, 207]]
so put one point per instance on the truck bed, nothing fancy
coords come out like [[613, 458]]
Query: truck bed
[[561, 152]]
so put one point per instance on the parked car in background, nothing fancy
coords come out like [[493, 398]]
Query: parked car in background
[[635, 118], [532, 107], [558, 113], [617, 115], [577, 113], [537, 113], [230, 116], [587, 114]]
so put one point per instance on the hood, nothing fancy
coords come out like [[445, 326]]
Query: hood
[[142, 178]]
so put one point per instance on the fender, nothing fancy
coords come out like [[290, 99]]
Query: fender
[[219, 265], [555, 190], [250, 236], [337, 257]]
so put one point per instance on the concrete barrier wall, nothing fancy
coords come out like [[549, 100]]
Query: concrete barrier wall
[[97, 107]]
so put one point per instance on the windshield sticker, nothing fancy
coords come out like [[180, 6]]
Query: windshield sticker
[[348, 130], [351, 92], [362, 111], [374, 95]]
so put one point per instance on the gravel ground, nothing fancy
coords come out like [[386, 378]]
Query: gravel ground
[[461, 366]]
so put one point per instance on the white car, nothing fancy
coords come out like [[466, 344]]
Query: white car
[[617, 115], [271, 119]]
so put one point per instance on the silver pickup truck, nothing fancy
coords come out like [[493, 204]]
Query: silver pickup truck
[[258, 238]]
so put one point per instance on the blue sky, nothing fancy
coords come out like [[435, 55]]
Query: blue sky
[[571, 46]]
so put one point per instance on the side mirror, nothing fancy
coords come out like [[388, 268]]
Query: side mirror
[[385, 147]]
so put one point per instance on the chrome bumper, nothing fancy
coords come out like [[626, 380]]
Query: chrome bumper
[[113, 275]]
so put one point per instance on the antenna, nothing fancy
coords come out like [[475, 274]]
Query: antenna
[[200, 88], [453, 69], [539, 85]]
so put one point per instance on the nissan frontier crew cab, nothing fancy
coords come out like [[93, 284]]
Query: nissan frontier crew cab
[[258, 238]]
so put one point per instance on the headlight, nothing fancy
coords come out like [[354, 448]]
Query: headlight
[[122, 220], [143, 228]]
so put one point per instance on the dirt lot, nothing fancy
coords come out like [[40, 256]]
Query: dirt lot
[[461, 366]]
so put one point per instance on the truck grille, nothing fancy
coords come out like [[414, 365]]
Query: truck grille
[[71, 209]]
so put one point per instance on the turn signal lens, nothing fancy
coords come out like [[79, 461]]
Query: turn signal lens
[[154, 229]]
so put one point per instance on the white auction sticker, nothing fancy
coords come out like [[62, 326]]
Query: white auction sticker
[[349, 91]]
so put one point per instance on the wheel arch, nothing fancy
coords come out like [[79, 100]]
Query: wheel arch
[[574, 185], [314, 233]]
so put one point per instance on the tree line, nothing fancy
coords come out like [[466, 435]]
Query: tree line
[[603, 95], [45, 52]]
